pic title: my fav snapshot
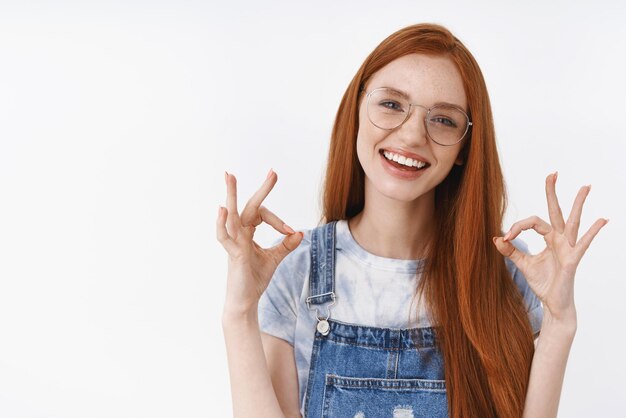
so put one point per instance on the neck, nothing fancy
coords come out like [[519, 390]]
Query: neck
[[394, 229]]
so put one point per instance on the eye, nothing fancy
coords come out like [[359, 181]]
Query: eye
[[443, 121], [391, 105]]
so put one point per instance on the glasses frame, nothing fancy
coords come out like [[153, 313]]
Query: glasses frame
[[408, 115]]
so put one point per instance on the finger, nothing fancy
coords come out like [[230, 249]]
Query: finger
[[585, 240], [573, 221], [233, 222], [287, 245], [249, 214], [274, 221], [267, 216], [556, 216], [221, 232], [533, 222], [508, 250]]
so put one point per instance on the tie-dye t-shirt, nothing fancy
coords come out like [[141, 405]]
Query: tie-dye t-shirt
[[370, 291]]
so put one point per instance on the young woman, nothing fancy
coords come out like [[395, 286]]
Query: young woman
[[407, 300]]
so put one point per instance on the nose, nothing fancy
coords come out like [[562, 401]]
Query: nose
[[413, 130]]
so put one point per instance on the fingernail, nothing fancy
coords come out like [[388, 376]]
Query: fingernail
[[289, 229], [226, 176], [507, 236], [556, 174], [606, 220], [269, 173]]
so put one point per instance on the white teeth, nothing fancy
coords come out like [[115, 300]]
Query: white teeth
[[401, 159]]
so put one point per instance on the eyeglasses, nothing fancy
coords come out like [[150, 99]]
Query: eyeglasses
[[446, 124]]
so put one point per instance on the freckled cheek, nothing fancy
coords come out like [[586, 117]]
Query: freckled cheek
[[362, 151], [366, 146], [365, 129], [366, 154]]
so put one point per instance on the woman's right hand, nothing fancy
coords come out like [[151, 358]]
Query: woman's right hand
[[250, 267]]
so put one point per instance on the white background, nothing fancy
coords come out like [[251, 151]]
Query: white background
[[118, 119]]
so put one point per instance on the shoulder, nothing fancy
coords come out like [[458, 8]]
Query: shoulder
[[299, 259], [279, 304], [292, 272], [296, 258]]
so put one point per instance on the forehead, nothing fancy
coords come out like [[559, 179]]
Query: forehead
[[427, 79]]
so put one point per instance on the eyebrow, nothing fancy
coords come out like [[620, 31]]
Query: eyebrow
[[406, 96]]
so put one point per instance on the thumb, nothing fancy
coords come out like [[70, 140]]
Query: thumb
[[287, 245], [508, 250]]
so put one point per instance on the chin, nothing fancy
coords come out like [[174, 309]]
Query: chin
[[399, 192]]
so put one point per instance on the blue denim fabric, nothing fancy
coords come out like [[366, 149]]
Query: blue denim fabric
[[367, 372]]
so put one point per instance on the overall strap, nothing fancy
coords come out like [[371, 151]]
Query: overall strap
[[322, 278]]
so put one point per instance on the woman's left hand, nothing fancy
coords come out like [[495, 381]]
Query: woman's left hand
[[550, 274]]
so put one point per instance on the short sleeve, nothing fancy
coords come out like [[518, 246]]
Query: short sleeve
[[279, 304], [532, 303]]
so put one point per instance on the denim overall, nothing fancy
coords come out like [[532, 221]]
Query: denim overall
[[366, 372]]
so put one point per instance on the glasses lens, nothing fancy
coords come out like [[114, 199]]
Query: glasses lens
[[386, 108], [446, 125]]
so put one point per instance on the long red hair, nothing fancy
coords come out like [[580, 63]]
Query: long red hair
[[482, 327]]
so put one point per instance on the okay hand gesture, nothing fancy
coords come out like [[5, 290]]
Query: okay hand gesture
[[250, 267], [550, 274]]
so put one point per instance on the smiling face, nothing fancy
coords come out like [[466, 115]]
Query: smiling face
[[426, 81]]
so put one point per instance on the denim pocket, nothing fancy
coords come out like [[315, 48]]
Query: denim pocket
[[352, 397]]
